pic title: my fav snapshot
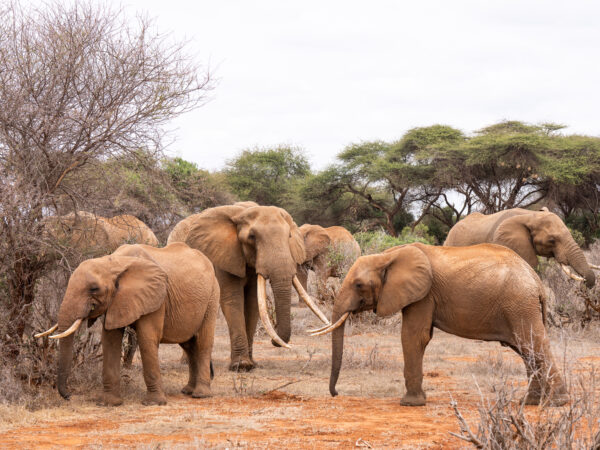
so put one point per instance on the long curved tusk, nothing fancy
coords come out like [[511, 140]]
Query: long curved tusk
[[309, 301], [594, 266], [46, 333], [261, 291], [566, 270], [72, 329], [315, 330], [334, 326]]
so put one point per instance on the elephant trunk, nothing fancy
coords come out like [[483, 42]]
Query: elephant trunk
[[337, 352], [282, 291], [575, 258], [65, 359], [70, 311]]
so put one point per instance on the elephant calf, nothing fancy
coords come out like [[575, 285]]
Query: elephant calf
[[479, 292], [169, 295]]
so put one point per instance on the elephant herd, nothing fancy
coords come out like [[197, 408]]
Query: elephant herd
[[480, 285]]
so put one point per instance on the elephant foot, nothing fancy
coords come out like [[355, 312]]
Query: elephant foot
[[109, 399], [187, 390], [154, 398], [556, 399], [413, 400], [241, 365], [202, 391]]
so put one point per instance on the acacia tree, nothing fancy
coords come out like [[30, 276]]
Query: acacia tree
[[78, 83]]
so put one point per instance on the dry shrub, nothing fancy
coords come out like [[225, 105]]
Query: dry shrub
[[570, 303], [505, 423]]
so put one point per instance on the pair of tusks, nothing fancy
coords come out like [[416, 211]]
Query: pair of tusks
[[329, 328], [72, 329], [262, 309], [261, 288]]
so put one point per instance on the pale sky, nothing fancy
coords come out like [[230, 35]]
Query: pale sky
[[323, 74]]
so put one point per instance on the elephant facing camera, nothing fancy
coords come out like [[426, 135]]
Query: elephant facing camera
[[152, 291]]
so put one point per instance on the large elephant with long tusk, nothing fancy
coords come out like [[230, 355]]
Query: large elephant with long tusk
[[167, 294], [530, 234], [249, 244]]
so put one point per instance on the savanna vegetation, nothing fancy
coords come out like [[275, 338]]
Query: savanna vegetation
[[86, 99]]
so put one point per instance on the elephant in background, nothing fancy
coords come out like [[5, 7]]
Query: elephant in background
[[95, 235], [318, 243], [169, 295], [529, 233], [482, 292], [249, 244]]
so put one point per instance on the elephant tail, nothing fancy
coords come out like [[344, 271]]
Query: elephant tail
[[544, 302]]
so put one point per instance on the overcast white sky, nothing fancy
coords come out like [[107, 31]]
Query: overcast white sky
[[323, 74]]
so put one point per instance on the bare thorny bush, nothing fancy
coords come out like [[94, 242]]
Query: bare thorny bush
[[506, 423], [79, 85], [571, 305]]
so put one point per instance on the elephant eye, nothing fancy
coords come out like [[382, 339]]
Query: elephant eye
[[359, 285], [94, 289], [251, 236]]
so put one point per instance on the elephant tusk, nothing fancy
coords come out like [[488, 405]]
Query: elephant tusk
[[72, 329], [594, 266], [566, 270], [332, 327], [46, 333], [309, 301], [261, 290], [315, 330]]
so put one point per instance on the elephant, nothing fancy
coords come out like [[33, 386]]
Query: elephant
[[529, 233], [247, 245], [97, 236], [483, 291], [168, 295], [318, 242]]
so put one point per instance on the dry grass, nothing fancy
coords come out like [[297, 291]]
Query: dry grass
[[285, 401]]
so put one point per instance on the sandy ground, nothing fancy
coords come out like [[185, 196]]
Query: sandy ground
[[285, 403]]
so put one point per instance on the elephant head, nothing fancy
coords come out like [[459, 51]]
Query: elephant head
[[384, 283], [124, 288], [264, 238], [316, 240], [543, 233]]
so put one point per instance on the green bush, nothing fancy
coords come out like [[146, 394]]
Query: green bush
[[377, 241]]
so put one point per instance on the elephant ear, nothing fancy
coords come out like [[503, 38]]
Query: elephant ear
[[215, 234], [296, 239], [140, 289], [407, 279], [515, 234], [316, 240]]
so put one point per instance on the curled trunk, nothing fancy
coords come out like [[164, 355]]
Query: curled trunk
[[65, 359], [282, 291], [337, 352]]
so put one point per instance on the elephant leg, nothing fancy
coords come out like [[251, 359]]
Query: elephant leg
[[546, 383], [251, 314], [416, 334], [111, 367], [130, 347], [189, 349], [202, 358], [149, 331], [232, 305]]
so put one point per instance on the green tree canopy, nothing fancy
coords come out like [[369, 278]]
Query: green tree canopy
[[266, 175]]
